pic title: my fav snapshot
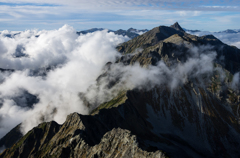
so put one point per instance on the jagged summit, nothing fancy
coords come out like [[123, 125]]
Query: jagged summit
[[149, 38], [177, 27]]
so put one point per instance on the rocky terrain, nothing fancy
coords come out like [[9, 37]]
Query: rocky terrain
[[199, 118]]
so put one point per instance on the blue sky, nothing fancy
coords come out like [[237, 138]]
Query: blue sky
[[213, 15]]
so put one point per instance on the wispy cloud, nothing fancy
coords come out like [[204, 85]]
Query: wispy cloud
[[27, 14], [147, 4]]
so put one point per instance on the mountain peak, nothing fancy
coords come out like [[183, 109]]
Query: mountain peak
[[177, 27], [131, 29]]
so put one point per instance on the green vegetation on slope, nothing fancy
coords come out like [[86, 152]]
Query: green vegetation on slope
[[119, 99]]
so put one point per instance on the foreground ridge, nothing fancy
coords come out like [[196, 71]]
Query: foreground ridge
[[71, 140]]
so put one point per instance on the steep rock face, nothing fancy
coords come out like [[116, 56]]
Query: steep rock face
[[190, 122]]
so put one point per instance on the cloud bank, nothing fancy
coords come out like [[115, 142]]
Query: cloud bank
[[228, 38], [74, 63]]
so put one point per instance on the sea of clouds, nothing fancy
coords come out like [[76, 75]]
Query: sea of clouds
[[57, 66], [73, 62], [225, 37]]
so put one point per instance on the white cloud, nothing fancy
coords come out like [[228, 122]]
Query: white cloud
[[228, 38], [79, 61]]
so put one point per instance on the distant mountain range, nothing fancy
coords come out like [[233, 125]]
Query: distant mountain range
[[131, 32], [225, 31]]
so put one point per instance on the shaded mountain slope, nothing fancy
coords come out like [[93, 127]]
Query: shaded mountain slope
[[11, 137], [182, 124]]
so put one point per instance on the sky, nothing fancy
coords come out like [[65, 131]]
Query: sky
[[209, 15]]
